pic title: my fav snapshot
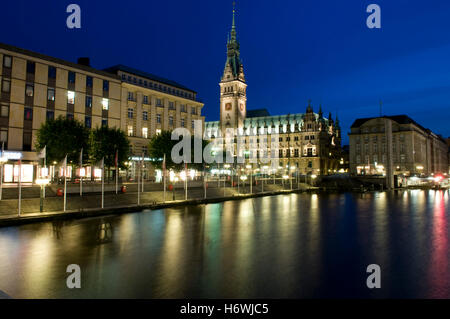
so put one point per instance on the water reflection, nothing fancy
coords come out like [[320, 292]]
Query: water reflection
[[286, 246], [438, 274]]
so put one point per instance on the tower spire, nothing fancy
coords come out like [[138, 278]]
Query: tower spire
[[234, 62], [233, 24]]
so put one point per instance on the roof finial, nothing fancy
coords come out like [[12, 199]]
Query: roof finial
[[234, 11]]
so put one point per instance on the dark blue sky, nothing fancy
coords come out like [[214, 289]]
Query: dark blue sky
[[292, 50]]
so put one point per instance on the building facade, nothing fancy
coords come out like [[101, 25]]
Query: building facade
[[150, 105], [307, 142], [35, 87], [378, 143]]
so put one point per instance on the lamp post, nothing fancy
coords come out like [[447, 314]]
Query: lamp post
[[172, 180], [243, 178], [251, 177], [226, 166], [42, 182], [285, 177], [3, 160]]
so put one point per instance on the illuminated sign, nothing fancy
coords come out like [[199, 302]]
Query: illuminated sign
[[12, 155]]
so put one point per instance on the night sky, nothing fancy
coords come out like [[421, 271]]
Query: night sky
[[292, 51]]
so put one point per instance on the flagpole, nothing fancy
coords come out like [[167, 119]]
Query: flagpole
[[45, 165], [81, 177], [65, 183], [1, 170], [20, 186], [117, 171], [138, 184], [185, 181], [164, 176], [204, 180], [142, 173], [103, 182]]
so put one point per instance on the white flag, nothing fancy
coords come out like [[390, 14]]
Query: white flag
[[43, 152], [63, 166]]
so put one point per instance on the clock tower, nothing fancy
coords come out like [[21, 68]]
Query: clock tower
[[233, 98]]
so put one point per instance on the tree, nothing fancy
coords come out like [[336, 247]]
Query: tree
[[63, 136], [104, 142], [162, 144]]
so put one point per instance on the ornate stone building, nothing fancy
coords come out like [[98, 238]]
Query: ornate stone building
[[307, 142]]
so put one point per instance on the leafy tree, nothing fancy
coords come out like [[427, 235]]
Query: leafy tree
[[104, 142], [63, 136], [162, 144]]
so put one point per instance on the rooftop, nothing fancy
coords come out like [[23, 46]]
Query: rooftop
[[57, 61], [127, 69]]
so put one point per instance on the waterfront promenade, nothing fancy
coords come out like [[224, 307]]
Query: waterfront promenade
[[153, 197]]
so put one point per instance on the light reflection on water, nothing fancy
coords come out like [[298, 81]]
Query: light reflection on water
[[286, 246]]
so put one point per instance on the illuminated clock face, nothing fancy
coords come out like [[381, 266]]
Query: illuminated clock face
[[228, 107]]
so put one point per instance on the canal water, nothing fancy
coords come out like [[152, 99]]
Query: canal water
[[285, 246]]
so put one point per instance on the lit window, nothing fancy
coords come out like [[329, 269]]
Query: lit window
[[29, 90], [130, 130], [50, 94], [158, 131], [105, 104], [88, 101], [70, 97], [144, 132]]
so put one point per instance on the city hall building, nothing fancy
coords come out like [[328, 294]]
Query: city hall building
[[307, 141], [398, 142], [35, 87]]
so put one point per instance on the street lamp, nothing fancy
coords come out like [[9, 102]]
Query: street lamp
[[251, 177], [42, 182]]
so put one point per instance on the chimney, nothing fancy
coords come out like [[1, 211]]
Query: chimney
[[84, 61]]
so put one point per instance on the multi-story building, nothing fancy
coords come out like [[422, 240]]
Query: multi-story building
[[308, 142], [36, 87], [150, 105], [398, 142]]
